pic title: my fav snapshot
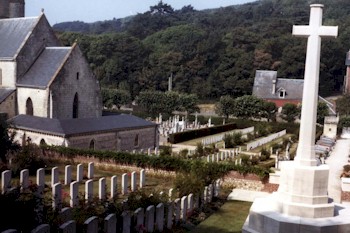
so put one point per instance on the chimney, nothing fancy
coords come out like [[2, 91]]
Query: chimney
[[274, 86]]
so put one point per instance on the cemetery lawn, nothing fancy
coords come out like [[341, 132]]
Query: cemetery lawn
[[228, 219]]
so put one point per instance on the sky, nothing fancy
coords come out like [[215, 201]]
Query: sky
[[58, 11]]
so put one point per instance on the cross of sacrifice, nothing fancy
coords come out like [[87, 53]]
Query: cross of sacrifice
[[306, 148]]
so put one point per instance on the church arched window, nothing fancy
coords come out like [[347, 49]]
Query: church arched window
[[75, 106], [29, 107], [92, 145]]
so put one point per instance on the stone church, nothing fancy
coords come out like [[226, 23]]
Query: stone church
[[50, 94]]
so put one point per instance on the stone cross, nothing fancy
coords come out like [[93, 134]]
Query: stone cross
[[306, 148]]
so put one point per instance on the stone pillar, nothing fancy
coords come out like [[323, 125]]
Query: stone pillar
[[89, 192], [114, 187], [124, 183], [184, 204], [160, 217], [110, 224], [91, 170], [68, 175], [102, 189], [80, 172], [74, 194], [91, 225], [150, 218], [142, 178], [24, 176], [133, 182], [57, 196], [217, 188], [54, 176]]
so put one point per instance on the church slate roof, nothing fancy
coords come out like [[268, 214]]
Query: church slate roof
[[45, 67], [13, 32], [263, 84], [5, 92], [70, 127]]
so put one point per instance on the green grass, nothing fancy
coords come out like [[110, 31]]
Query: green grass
[[228, 219]]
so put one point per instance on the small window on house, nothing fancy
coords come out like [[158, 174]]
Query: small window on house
[[77, 75], [282, 94], [0, 77], [136, 141], [75, 106], [92, 145], [29, 107], [330, 129]]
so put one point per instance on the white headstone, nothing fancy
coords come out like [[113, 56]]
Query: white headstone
[[68, 174], [150, 218], [190, 202], [114, 187], [91, 170], [89, 190], [91, 225], [43, 228], [170, 212], [126, 222], [74, 194], [80, 172], [68, 227], [184, 205], [24, 179], [57, 196], [177, 206], [110, 224], [140, 217], [54, 176], [102, 188], [40, 180], [124, 183], [160, 217], [133, 182]]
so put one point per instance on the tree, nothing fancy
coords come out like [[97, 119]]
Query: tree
[[121, 97], [290, 112], [322, 112], [188, 103], [269, 111], [248, 106], [6, 140], [343, 105], [225, 106]]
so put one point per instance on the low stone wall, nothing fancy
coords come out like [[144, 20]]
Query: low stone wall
[[246, 182]]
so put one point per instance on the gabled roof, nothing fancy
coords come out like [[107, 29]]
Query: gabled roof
[[70, 127], [5, 92], [263, 84], [45, 67], [13, 33]]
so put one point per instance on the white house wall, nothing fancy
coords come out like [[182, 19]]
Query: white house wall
[[39, 98], [37, 137], [8, 69]]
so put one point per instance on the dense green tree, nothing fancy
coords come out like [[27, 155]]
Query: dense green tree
[[269, 111], [322, 112], [225, 106], [290, 112], [248, 106], [6, 140], [343, 105]]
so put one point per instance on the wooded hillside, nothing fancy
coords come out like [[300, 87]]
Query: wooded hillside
[[210, 53]]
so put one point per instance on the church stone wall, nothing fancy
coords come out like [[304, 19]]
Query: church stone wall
[[37, 137], [76, 77], [147, 138], [102, 141], [8, 73], [42, 36], [9, 105], [39, 98]]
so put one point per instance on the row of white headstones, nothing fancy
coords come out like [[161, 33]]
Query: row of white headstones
[[152, 217]]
